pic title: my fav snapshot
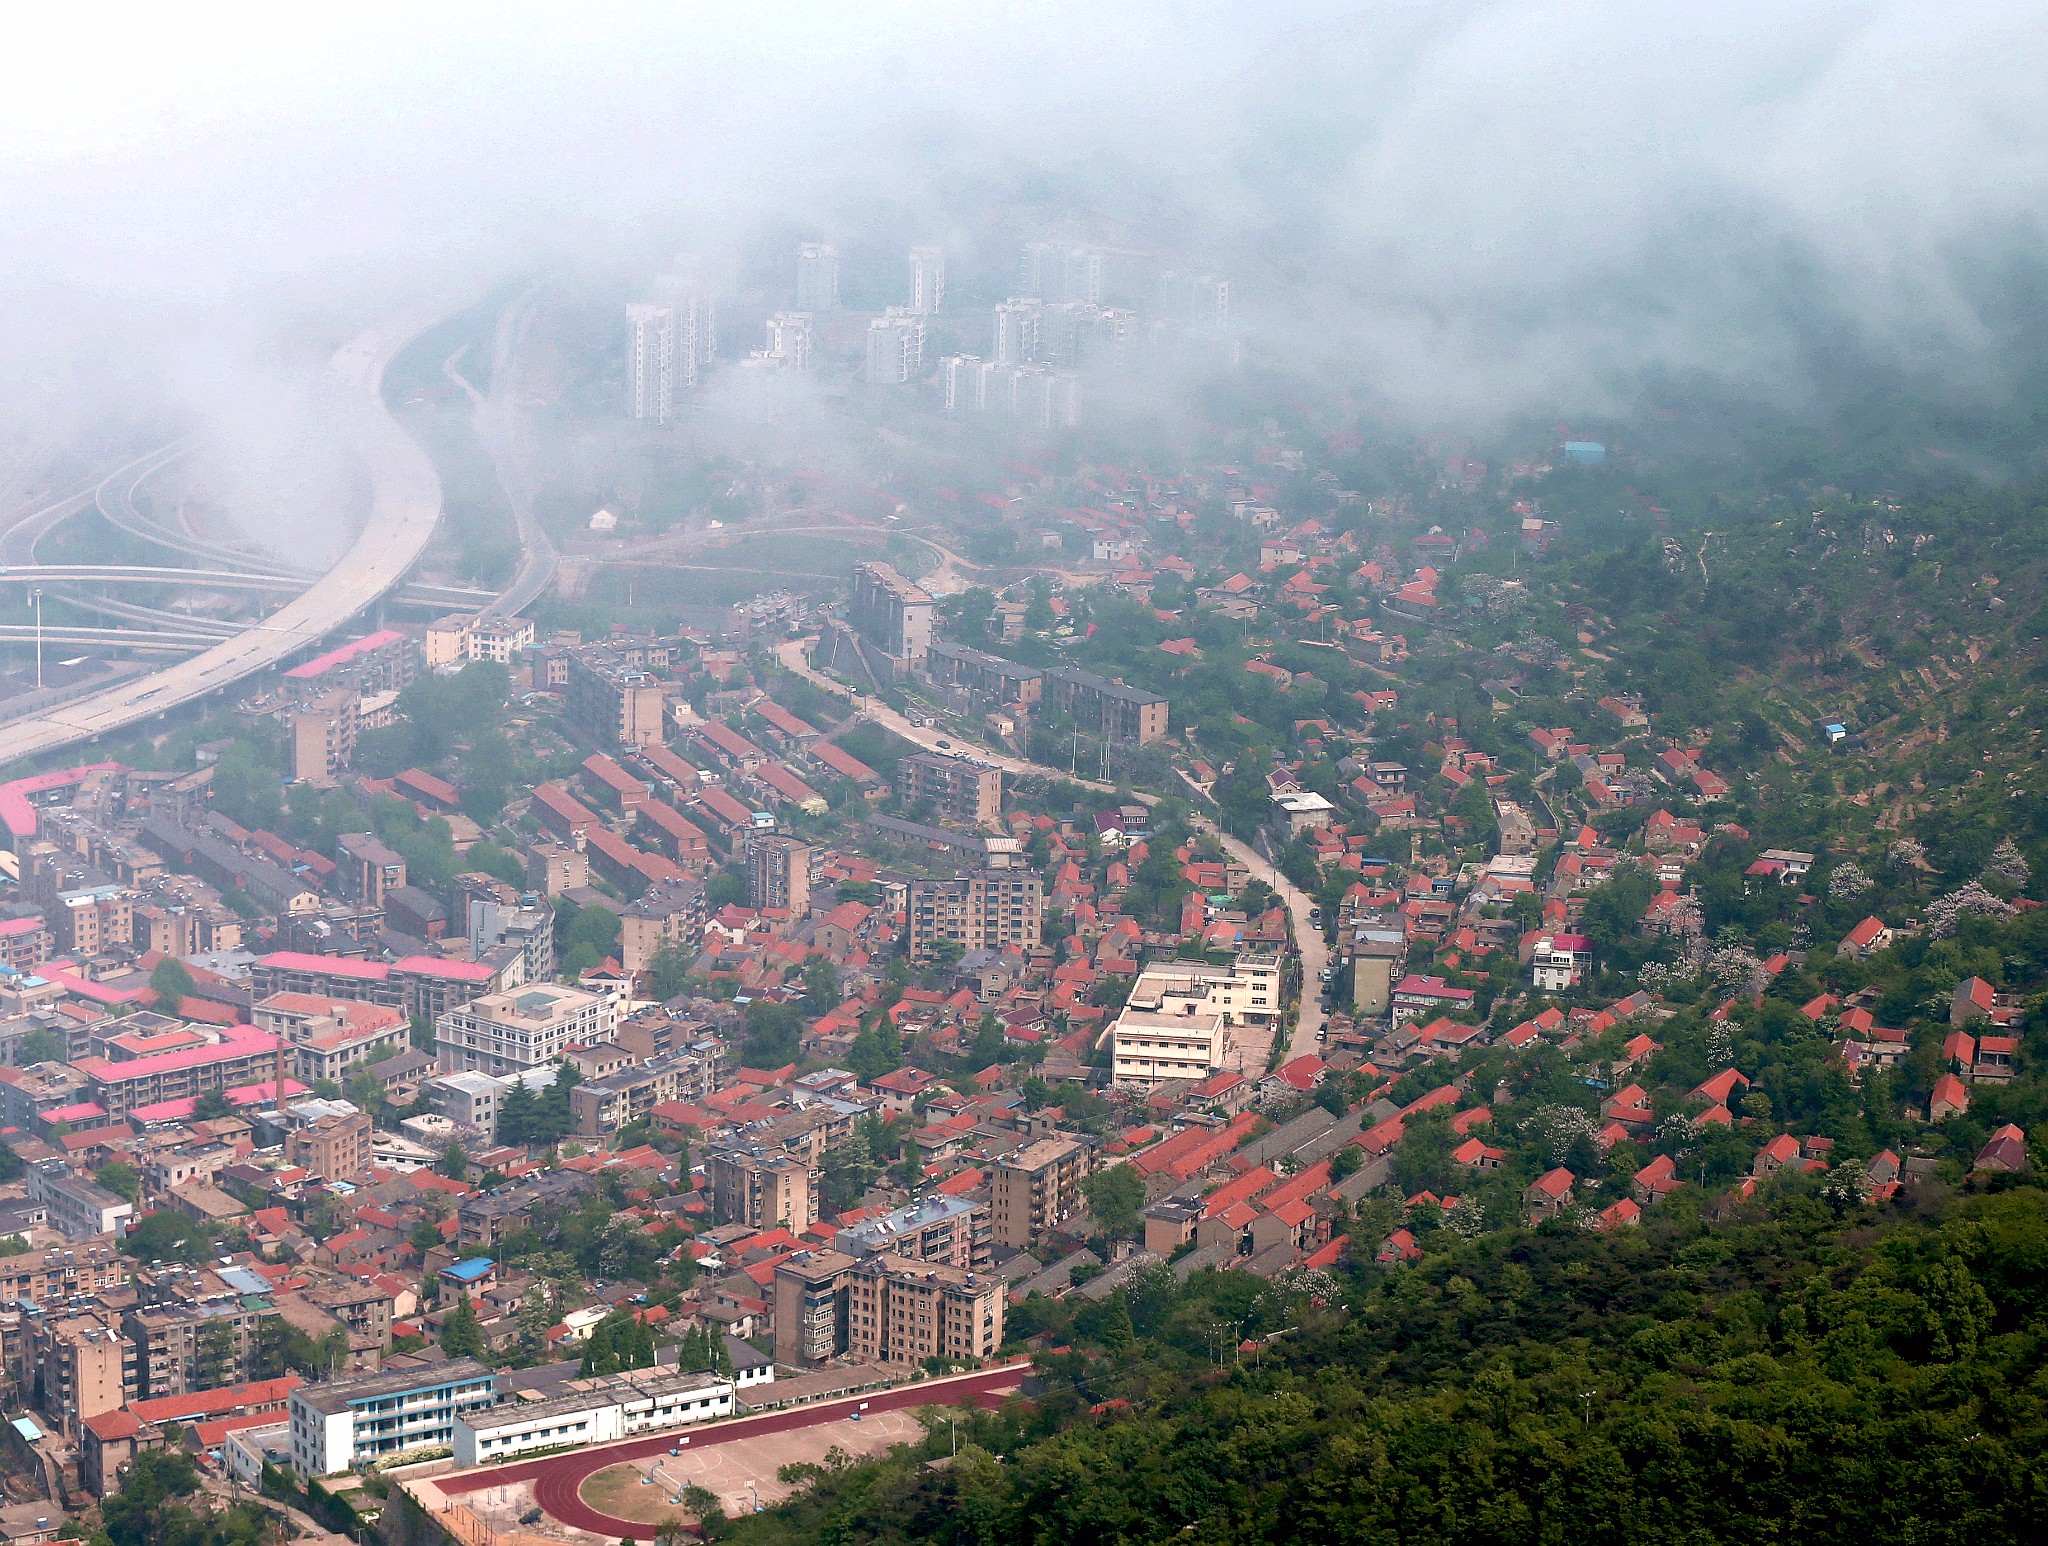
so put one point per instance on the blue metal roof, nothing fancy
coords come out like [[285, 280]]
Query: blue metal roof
[[469, 1271]]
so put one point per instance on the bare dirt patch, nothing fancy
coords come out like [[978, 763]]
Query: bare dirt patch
[[740, 1471]]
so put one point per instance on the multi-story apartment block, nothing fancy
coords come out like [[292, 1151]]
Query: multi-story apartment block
[[381, 662], [25, 943], [204, 1058], [892, 613], [334, 1146], [1119, 712], [1017, 326], [58, 1277], [650, 362], [370, 868], [76, 1367], [1036, 1189], [336, 1425], [499, 919], [764, 1188], [670, 913], [817, 277], [330, 1036], [324, 731], [903, 1312], [991, 909], [483, 1220], [693, 309], [778, 873], [989, 676], [604, 1105], [91, 919], [927, 280], [419, 985], [183, 1346], [965, 793], [612, 701], [883, 1309], [895, 348], [503, 1033], [944, 1229]]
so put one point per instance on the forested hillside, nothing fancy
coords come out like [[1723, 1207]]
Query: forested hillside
[[1796, 1369]]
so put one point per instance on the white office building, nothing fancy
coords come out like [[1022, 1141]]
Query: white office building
[[650, 362], [343, 1423], [927, 280], [817, 277], [1178, 1020], [789, 341], [695, 325], [595, 1412], [895, 348], [528, 1027], [965, 381], [1017, 328]]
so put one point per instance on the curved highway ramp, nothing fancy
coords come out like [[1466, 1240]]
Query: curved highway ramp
[[404, 508]]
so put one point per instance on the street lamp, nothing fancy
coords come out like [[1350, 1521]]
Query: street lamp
[[36, 595]]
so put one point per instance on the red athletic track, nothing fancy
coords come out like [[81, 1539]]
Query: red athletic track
[[557, 1478]]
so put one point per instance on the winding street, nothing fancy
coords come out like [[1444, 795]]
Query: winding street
[[1308, 939]]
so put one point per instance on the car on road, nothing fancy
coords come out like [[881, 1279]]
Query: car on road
[[945, 746], [1315, 916]]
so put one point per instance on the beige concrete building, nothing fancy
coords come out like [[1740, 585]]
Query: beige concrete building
[[761, 1189], [1178, 1020], [883, 1310], [613, 701], [892, 613], [964, 793], [983, 910], [334, 1148], [778, 873], [1036, 1189], [324, 736], [80, 1366]]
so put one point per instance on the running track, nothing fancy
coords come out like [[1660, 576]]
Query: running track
[[558, 1478]]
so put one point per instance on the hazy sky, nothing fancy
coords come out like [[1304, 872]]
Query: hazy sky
[[1478, 207]]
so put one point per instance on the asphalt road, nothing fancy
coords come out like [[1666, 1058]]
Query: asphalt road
[[1309, 942], [557, 1479], [405, 506]]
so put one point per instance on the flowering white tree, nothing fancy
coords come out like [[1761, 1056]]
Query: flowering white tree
[[1846, 1188], [1945, 913], [1560, 1127], [1848, 881], [2008, 863], [1736, 971], [1467, 1220], [1656, 976], [1720, 1045], [1905, 854]]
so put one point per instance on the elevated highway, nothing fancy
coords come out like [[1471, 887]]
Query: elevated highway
[[413, 593], [405, 505]]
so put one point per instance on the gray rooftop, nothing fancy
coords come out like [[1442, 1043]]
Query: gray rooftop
[[339, 1395]]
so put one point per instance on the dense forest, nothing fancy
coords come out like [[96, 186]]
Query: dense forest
[[1795, 1368]]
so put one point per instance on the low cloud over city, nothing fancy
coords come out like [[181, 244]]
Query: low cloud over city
[[1465, 209]]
